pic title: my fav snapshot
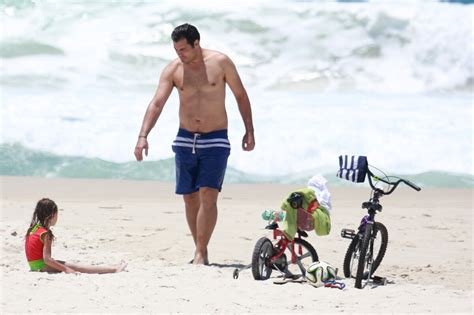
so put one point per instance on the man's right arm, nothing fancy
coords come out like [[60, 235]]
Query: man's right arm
[[154, 109]]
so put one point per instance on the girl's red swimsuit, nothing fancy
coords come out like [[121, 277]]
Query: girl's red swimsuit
[[34, 247]]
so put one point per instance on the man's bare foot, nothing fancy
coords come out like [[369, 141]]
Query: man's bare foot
[[121, 267], [200, 259]]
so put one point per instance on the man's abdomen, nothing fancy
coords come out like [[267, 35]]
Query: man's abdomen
[[203, 117]]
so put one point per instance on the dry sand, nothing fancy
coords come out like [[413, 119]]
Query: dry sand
[[428, 261]]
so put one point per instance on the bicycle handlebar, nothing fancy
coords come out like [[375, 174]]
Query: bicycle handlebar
[[394, 184], [415, 187]]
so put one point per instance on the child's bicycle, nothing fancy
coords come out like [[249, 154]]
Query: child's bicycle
[[369, 242], [290, 257], [268, 256]]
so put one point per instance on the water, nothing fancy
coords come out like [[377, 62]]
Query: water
[[390, 81]]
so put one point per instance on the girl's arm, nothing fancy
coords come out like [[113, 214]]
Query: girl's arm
[[50, 261]]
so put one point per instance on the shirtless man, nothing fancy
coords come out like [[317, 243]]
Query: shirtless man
[[201, 146]]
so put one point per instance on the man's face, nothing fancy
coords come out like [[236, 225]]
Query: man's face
[[185, 51]]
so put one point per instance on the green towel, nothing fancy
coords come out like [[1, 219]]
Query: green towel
[[322, 221], [321, 218]]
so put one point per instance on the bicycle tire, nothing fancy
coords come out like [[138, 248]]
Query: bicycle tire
[[383, 244], [351, 250], [261, 255], [354, 246], [361, 265], [362, 270], [293, 267]]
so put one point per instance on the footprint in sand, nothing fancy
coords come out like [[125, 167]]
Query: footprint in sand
[[110, 207], [440, 228], [121, 219], [246, 238]]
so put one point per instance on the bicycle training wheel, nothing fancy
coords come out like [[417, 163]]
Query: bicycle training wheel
[[306, 254], [262, 253], [357, 255]]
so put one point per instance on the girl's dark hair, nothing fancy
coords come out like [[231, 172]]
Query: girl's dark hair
[[187, 31], [44, 213]]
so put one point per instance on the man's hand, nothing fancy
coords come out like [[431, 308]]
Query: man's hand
[[248, 141], [142, 143]]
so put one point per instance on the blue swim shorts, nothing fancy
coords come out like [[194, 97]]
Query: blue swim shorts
[[201, 160]]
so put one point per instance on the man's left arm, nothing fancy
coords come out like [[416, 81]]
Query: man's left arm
[[233, 80]]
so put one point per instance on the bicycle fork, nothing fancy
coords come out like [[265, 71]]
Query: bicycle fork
[[369, 258]]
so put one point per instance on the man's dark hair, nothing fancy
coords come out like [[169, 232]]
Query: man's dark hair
[[187, 31]]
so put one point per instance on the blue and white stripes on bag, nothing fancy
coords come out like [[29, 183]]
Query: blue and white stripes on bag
[[353, 168]]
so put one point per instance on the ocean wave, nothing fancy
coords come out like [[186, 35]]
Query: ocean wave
[[420, 46], [27, 48], [390, 81], [36, 80], [17, 160]]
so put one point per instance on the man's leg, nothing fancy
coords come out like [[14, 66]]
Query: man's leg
[[205, 223], [192, 204]]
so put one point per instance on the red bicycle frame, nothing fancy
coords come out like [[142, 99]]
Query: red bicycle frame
[[282, 244]]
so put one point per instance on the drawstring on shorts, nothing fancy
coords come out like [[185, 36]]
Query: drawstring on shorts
[[196, 135]]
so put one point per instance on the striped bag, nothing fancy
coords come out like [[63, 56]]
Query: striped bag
[[353, 168]]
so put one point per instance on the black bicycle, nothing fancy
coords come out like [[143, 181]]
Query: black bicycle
[[369, 242]]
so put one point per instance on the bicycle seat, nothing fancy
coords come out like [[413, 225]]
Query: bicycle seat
[[272, 226]]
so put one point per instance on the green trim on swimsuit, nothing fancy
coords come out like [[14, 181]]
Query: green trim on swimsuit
[[37, 226], [37, 265]]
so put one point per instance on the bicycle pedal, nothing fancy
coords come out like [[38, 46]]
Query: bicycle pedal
[[379, 280], [348, 233]]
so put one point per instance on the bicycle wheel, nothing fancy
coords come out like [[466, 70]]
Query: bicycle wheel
[[263, 251], [306, 254], [352, 255], [373, 244]]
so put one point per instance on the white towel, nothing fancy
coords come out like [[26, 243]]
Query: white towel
[[318, 184]]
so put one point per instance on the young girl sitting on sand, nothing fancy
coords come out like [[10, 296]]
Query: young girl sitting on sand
[[38, 240]]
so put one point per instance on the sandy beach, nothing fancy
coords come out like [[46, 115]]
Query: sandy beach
[[428, 262]]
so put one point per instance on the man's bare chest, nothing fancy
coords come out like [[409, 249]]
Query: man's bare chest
[[204, 79]]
